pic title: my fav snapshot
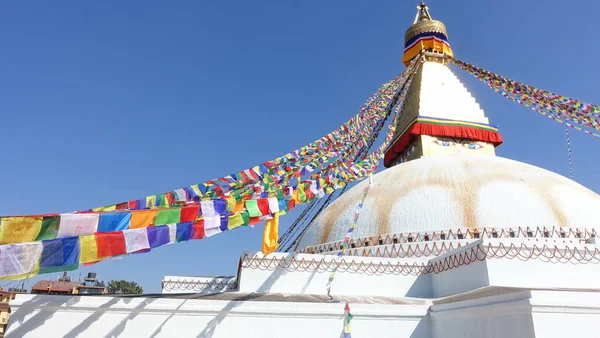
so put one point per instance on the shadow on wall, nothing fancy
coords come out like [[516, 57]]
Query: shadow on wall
[[423, 329], [211, 327], [421, 288], [53, 304], [22, 323]]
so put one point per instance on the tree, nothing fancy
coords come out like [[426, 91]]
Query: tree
[[124, 287]]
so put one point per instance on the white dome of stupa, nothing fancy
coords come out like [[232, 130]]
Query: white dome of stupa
[[448, 192]]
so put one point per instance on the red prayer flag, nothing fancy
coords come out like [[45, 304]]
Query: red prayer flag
[[110, 244], [263, 206], [198, 229], [189, 213]]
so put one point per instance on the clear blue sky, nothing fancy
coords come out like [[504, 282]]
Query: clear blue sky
[[107, 101]]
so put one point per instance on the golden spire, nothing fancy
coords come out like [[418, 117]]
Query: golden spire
[[426, 34], [424, 23]]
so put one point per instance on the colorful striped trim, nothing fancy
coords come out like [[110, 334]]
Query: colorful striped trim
[[427, 38], [417, 37]]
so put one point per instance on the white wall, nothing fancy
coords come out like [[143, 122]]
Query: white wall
[[461, 278], [520, 314], [348, 283], [66, 316], [489, 317], [566, 314]]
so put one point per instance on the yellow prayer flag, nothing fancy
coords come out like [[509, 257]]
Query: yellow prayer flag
[[151, 202], [88, 249], [106, 208], [235, 221], [230, 203], [271, 235], [19, 229]]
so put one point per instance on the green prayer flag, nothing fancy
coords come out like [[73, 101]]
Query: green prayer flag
[[49, 228], [168, 216], [253, 210]]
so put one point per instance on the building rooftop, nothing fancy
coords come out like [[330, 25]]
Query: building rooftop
[[54, 286]]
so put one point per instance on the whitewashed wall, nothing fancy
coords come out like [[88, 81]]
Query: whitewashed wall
[[89, 317]]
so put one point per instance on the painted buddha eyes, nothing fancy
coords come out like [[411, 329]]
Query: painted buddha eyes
[[464, 143], [444, 143], [410, 151], [472, 146]]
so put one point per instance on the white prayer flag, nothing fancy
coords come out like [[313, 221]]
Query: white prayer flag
[[273, 204], [212, 225], [208, 208], [172, 233], [180, 195], [77, 224], [136, 239], [17, 259]]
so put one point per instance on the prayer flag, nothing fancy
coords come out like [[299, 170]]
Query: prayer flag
[[196, 189], [110, 244], [208, 208], [88, 249], [236, 221], [114, 222], [158, 235], [231, 202], [61, 254], [180, 195], [172, 233], [239, 207], [77, 224], [184, 231], [18, 259], [198, 229], [143, 218], [271, 235], [19, 229], [252, 207], [189, 213], [273, 205], [168, 216], [161, 200], [49, 229], [136, 240], [191, 194], [150, 202], [212, 225], [263, 206]]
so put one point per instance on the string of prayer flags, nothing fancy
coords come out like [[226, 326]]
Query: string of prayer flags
[[341, 144], [573, 113], [61, 242]]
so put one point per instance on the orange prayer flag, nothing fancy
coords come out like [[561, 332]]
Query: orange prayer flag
[[142, 218]]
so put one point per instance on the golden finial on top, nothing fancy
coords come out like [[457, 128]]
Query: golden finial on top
[[422, 13], [424, 23]]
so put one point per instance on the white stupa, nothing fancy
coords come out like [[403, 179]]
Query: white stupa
[[452, 241]]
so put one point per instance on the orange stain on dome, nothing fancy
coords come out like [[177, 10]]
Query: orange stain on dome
[[463, 181]]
